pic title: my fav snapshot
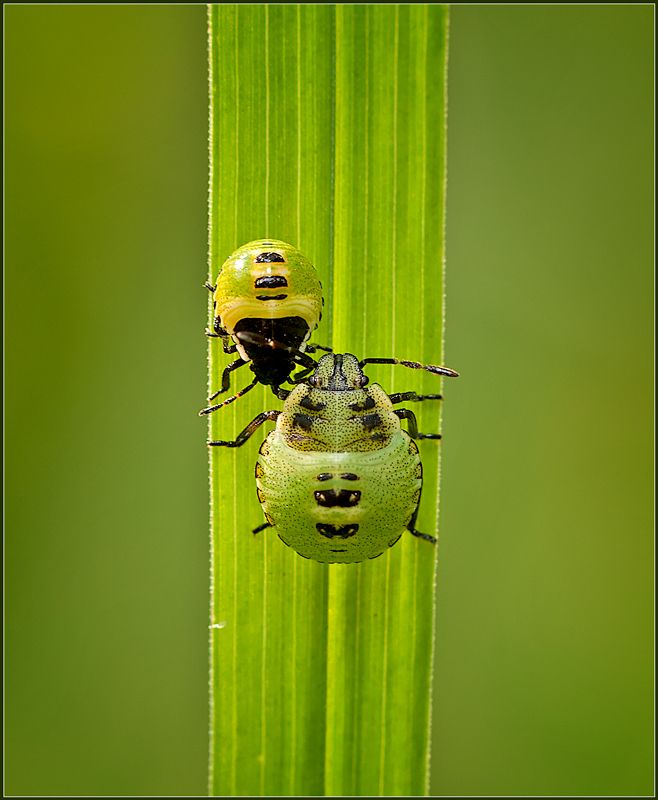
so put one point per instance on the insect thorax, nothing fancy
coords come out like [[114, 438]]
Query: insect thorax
[[255, 337], [353, 421]]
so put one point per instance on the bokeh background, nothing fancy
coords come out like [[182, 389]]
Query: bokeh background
[[543, 671]]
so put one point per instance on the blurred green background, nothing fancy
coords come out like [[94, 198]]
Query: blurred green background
[[543, 671]]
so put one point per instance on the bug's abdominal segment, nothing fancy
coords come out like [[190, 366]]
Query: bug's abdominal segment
[[235, 308], [337, 518]]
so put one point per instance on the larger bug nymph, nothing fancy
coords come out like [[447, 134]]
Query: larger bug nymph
[[339, 479], [267, 302]]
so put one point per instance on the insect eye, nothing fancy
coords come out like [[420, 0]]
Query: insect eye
[[364, 380], [312, 380]]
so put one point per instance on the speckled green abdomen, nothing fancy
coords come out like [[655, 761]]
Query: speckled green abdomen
[[339, 507]]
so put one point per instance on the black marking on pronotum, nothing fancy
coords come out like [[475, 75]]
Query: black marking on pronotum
[[367, 404], [338, 551], [304, 421], [270, 282], [268, 258], [370, 421], [306, 402], [341, 498], [349, 476], [325, 476], [265, 297], [337, 531]]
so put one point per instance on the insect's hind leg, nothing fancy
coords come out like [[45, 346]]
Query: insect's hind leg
[[412, 529], [262, 527]]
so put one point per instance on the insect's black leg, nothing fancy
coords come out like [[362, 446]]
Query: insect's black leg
[[209, 287], [304, 360], [218, 332], [450, 373], [226, 378], [311, 347], [405, 413], [228, 348], [420, 535], [412, 397], [246, 389], [282, 394], [246, 433], [300, 376], [262, 527], [412, 530]]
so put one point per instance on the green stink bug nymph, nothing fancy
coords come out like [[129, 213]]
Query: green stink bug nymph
[[339, 479], [266, 292]]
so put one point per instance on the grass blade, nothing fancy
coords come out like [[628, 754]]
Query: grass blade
[[327, 132]]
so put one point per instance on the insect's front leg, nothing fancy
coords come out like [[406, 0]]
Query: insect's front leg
[[248, 431]]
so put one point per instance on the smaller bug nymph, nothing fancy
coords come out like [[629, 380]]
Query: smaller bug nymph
[[338, 478], [267, 301]]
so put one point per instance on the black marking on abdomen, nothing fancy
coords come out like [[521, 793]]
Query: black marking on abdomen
[[364, 406], [264, 297], [326, 476], [370, 421], [304, 421], [306, 402], [268, 258], [337, 531], [341, 498], [349, 476], [270, 282], [338, 551]]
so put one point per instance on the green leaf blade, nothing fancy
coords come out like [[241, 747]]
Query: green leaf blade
[[328, 133]]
